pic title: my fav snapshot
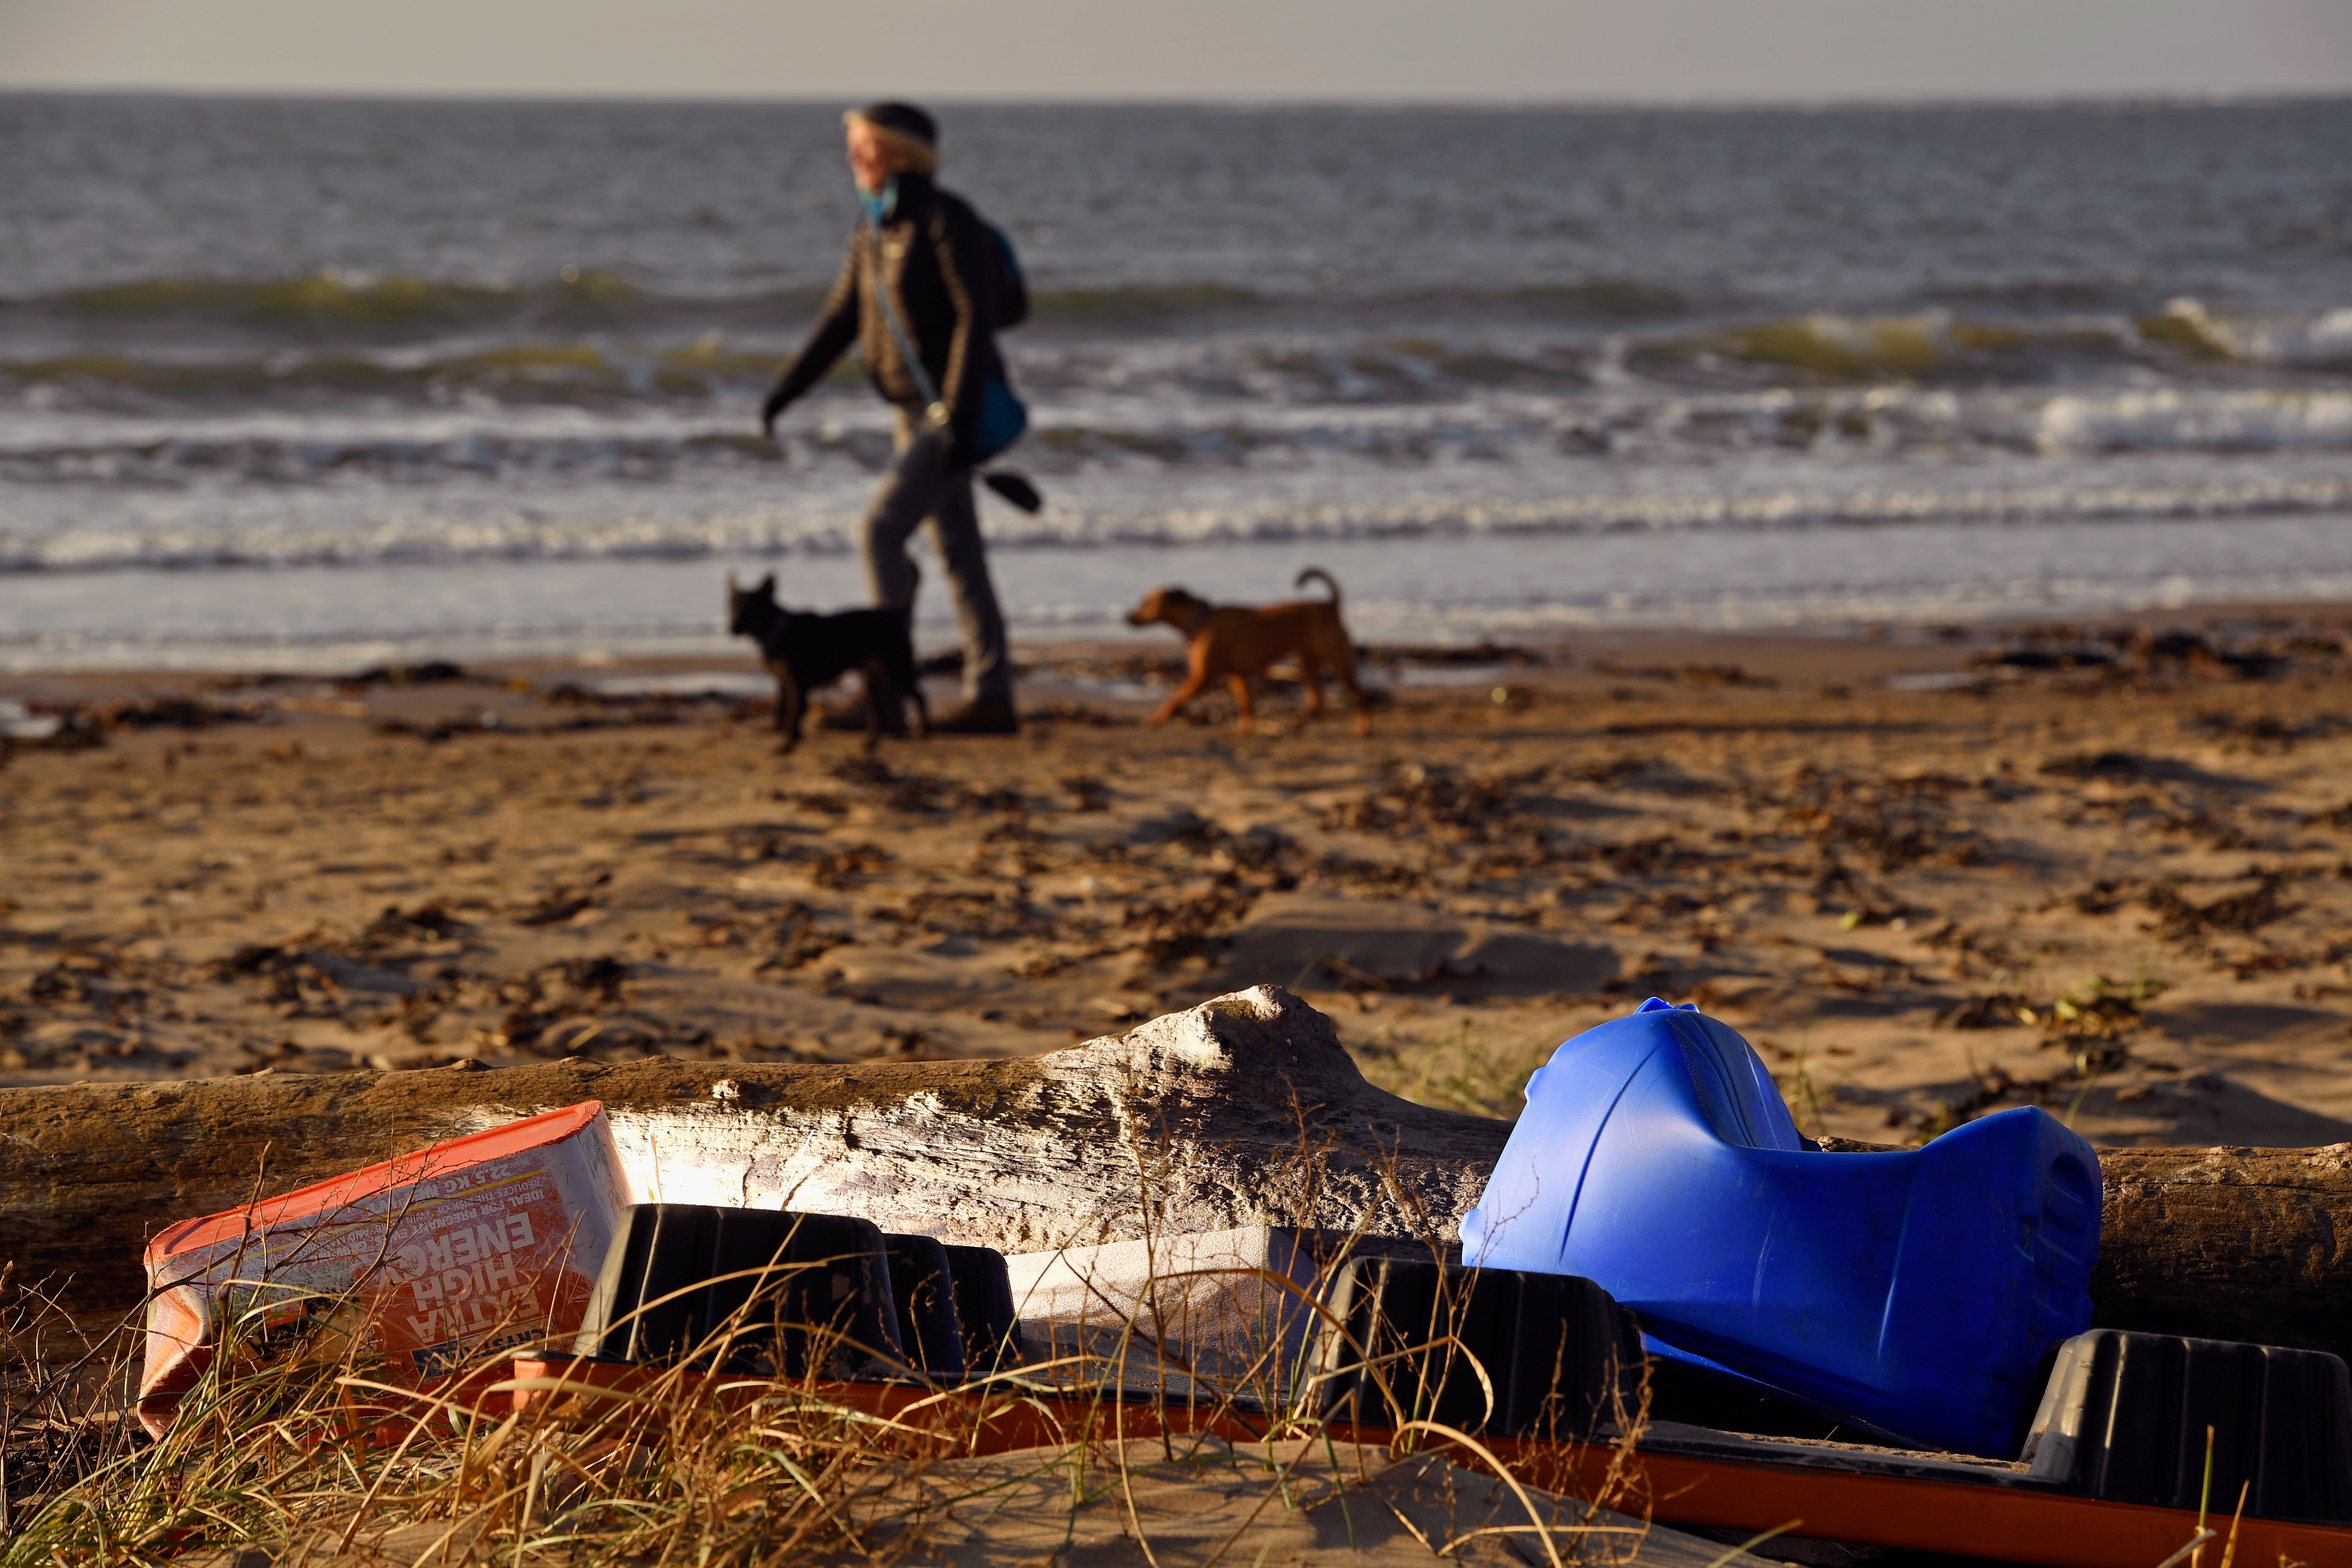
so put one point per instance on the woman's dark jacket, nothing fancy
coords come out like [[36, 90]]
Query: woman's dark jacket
[[939, 262]]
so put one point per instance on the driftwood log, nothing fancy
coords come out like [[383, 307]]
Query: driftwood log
[[1244, 1109]]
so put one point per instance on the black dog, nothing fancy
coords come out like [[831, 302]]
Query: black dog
[[806, 652]]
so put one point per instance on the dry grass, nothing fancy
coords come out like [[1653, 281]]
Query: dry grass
[[1471, 1067], [294, 1443]]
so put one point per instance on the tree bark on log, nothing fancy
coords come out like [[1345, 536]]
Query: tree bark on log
[[2228, 1244], [1246, 1109]]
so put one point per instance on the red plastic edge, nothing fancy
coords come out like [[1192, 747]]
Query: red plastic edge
[[2005, 1523], [492, 1143]]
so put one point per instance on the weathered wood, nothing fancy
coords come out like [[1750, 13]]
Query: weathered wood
[[2229, 1244], [1244, 1109]]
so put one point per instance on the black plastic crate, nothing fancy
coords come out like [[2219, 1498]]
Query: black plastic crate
[[985, 1310], [1561, 1356], [744, 1291], [2124, 1415], [922, 1287]]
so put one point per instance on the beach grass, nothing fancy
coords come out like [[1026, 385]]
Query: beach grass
[[297, 1443]]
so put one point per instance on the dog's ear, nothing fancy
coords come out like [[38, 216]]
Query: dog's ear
[[731, 589], [767, 588]]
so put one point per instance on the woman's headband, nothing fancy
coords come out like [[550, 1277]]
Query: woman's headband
[[908, 133]]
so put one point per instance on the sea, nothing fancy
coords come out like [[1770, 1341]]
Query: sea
[[315, 384]]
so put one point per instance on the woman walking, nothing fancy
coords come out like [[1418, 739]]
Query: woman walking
[[923, 291]]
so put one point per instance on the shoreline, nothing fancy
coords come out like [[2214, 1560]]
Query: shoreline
[[1538, 589], [1865, 651]]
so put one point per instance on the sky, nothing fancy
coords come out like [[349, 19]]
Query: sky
[[1254, 50]]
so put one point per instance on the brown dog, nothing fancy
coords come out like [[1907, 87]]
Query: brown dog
[[1238, 642]]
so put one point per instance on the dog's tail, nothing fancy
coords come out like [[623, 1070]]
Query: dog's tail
[[1317, 573]]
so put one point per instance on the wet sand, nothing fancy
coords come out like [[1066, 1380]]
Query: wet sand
[[2102, 870]]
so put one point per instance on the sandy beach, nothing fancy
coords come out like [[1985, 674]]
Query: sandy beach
[[2099, 868]]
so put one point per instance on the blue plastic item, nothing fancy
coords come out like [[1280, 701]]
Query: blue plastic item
[[1915, 1291]]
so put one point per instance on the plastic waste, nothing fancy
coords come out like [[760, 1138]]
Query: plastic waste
[[776, 1292], [922, 1290], [1517, 1354], [1915, 1291], [752, 1291], [432, 1260], [2126, 1418]]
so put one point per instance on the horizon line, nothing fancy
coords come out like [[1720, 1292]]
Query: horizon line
[[2085, 99]]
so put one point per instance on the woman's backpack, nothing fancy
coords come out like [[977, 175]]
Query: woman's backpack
[[1012, 288]]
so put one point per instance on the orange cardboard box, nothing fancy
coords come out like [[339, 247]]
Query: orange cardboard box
[[481, 1244]]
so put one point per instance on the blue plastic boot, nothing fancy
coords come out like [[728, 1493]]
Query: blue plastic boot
[[1914, 1292]]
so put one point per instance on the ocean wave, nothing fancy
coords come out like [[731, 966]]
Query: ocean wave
[[266, 460], [1927, 345], [2320, 342], [1604, 301], [525, 432], [2170, 420], [583, 373], [2060, 319], [1271, 362], [332, 304], [1937, 345], [823, 523], [336, 305], [599, 372]]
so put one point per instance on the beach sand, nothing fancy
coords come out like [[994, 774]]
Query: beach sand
[[1926, 876], [1195, 1499]]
